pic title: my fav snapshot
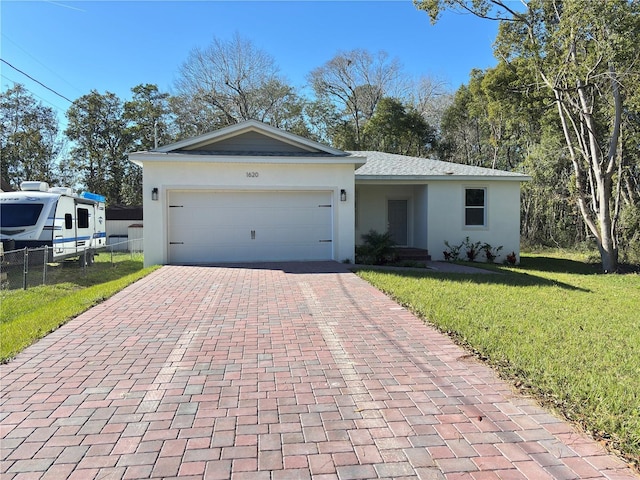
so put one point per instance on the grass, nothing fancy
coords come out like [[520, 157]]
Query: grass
[[556, 328], [28, 315]]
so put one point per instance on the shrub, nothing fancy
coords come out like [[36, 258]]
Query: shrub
[[491, 253], [452, 253], [472, 249], [376, 250]]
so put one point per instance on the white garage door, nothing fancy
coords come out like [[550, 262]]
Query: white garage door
[[223, 226]]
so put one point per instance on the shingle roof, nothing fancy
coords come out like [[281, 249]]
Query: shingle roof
[[392, 166]]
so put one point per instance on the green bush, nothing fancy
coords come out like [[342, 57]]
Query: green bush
[[377, 249]]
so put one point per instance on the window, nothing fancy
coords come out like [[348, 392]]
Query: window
[[20, 214], [68, 221], [475, 207], [83, 218]]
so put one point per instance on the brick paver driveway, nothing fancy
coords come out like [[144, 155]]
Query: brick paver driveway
[[289, 371]]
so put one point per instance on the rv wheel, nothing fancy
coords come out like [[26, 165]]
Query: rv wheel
[[86, 259]]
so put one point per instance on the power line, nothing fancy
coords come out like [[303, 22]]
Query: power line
[[37, 81], [39, 62], [57, 107]]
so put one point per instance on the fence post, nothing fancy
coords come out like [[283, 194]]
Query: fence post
[[25, 268], [44, 264]]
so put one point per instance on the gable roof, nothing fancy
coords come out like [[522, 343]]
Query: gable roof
[[275, 140], [390, 166], [247, 142]]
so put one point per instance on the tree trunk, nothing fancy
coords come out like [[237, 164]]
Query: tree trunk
[[598, 218]]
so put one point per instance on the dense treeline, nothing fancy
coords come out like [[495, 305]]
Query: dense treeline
[[361, 101], [572, 125], [563, 103]]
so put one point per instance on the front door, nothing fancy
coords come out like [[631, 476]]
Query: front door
[[397, 221]]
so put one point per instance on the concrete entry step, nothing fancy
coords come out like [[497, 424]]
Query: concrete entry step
[[410, 253]]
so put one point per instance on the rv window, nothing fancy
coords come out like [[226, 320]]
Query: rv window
[[68, 221], [83, 218], [20, 214]]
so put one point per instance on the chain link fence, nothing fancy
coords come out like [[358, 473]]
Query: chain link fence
[[30, 267]]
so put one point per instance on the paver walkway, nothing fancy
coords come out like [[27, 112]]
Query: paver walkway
[[302, 371]]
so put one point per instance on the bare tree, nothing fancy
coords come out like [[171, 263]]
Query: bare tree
[[431, 97], [231, 81], [355, 81]]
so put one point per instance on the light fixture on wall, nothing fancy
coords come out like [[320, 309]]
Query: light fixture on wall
[[154, 194], [343, 195]]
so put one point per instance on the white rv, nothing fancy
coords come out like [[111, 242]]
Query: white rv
[[72, 225]]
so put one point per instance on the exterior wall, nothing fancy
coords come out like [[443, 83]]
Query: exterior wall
[[244, 176], [421, 217], [119, 227], [121, 233], [436, 214], [446, 216], [372, 210], [136, 238]]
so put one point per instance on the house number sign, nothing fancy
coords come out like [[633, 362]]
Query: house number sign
[[253, 174]]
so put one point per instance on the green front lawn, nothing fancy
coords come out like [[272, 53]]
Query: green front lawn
[[553, 326], [28, 315]]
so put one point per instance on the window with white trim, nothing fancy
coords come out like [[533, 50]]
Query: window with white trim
[[475, 207]]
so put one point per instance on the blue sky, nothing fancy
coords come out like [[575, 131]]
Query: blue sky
[[74, 47]]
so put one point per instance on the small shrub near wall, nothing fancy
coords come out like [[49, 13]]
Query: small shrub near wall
[[473, 251]]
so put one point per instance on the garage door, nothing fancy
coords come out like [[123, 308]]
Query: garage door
[[223, 226]]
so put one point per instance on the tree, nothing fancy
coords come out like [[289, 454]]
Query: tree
[[322, 118], [393, 129], [585, 55], [494, 120], [149, 125], [549, 213], [102, 138], [354, 82], [430, 97], [29, 140], [463, 134], [149, 116], [229, 82]]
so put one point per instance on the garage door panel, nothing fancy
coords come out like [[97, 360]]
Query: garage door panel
[[240, 253], [223, 226]]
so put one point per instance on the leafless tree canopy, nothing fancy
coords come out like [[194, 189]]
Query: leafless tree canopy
[[355, 81], [233, 81]]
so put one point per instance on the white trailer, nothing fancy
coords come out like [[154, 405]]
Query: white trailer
[[37, 216]]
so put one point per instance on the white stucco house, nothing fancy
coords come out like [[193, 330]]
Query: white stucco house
[[251, 192]]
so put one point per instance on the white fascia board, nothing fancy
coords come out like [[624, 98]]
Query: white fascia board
[[139, 158], [364, 179]]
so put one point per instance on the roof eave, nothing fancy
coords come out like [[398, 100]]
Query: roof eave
[[139, 158], [443, 177]]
